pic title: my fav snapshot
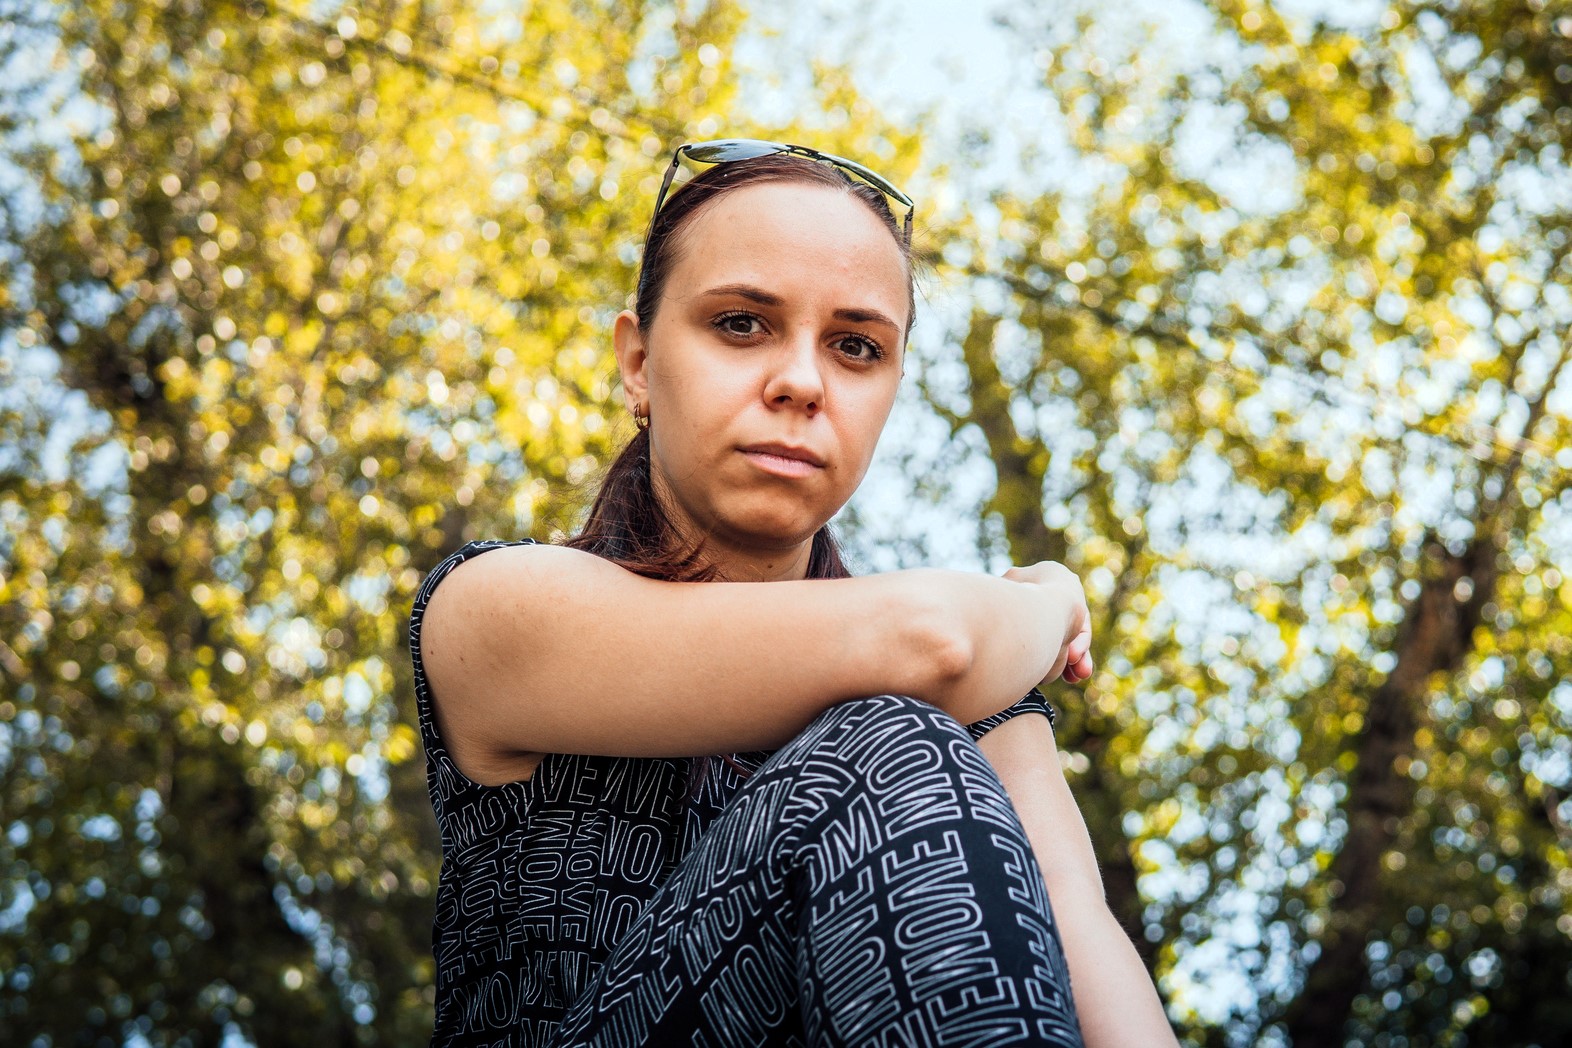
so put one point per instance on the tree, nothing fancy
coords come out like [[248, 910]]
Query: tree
[[1280, 370], [309, 304]]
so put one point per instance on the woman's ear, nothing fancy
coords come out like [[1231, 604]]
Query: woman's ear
[[632, 360]]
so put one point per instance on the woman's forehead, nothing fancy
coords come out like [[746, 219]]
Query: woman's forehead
[[786, 232]]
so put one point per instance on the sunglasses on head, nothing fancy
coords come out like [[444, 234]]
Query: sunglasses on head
[[728, 150]]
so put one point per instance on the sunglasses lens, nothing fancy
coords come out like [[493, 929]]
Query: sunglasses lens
[[725, 150]]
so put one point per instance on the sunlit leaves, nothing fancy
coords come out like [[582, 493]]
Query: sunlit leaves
[[336, 295], [1279, 370]]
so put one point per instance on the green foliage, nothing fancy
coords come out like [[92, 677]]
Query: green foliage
[[1303, 443], [331, 298]]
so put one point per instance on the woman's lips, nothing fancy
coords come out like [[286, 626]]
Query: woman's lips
[[781, 462]]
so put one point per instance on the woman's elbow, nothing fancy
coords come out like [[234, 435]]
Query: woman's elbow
[[951, 657]]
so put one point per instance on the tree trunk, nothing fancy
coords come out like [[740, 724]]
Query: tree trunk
[[1435, 635], [1020, 464]]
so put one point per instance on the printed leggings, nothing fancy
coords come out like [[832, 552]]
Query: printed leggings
[[869, 885]]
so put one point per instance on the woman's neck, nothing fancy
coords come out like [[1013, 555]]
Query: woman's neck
[[753, 565], [736, 558]]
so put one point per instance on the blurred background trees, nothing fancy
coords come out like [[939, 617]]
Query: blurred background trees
[[1270, 346], [1306, 436]]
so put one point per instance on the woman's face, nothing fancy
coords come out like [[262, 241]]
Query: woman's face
[[771, 365]]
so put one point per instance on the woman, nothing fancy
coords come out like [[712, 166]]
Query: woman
[[862, 868]]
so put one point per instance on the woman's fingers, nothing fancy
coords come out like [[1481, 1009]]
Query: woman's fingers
[[1078, 656], [1081, 669]]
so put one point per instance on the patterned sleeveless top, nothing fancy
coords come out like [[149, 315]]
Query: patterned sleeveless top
[[540, 878]]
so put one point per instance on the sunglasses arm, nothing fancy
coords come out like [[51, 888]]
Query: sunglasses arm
[[671, 172]]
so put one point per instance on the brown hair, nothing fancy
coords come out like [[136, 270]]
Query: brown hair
[[627, 523]]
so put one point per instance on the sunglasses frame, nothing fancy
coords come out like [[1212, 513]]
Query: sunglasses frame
[[730, 150]]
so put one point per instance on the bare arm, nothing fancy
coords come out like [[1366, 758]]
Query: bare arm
[[532, 649], [1114, 996]]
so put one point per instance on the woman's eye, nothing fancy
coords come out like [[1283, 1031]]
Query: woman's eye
[[859, 348], [738, 324]]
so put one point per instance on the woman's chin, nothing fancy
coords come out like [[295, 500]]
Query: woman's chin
[[770, 531]]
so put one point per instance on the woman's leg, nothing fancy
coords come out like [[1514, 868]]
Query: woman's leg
[[869, 885]]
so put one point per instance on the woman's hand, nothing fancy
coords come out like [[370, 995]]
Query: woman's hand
[[1062, 592]]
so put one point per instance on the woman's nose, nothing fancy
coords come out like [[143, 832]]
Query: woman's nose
[[795, 379]]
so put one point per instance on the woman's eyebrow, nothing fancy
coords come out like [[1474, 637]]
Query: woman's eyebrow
[[765, 298], [747, 291], [866, 316]]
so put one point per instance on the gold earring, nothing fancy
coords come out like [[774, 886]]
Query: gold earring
[[641, 417]]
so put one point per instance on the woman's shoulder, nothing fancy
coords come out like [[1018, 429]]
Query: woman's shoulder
[[445, 567], [471, 550], [439, 751], [466, 552]]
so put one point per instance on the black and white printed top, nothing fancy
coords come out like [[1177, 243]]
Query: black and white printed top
[[540, 878]]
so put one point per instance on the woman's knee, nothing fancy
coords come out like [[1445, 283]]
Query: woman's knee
[[890, 745], [878, 713], [883, 775], [883, 735]]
